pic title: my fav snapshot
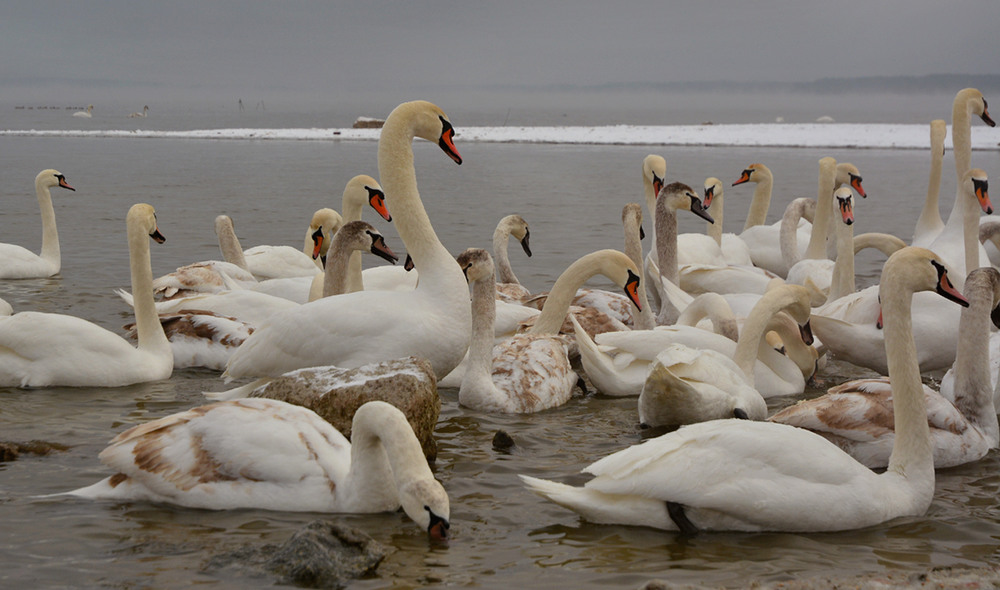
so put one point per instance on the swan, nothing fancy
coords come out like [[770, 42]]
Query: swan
[[688, 385], [17, 262], [847, 325], [857, 415], [271, 262], [271, 455], [143, 114], [654, 172], [761, 239], [433, 321], [632, 226], [617, 362], [508, 288], [930, 224], [816, 274], [527, 373], [87, 114], [734, 249], [209, 276], [956, 241], [48, 349], [761, 476]]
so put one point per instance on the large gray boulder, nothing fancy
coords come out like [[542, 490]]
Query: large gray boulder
[[336, 394]]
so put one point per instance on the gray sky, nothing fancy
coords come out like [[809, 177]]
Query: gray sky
[[320, 51]]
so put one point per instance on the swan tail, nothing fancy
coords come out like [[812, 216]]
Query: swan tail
[[603, 508], [237, 392], [125, 295]]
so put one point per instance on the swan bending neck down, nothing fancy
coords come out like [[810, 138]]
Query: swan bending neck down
[[272, 455], [758, 476], [19, 263], [47, 349], [432, 321]]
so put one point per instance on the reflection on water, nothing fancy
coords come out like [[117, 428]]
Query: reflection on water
[[503, 535]]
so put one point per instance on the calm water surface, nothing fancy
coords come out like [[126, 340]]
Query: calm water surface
[[504, 536]]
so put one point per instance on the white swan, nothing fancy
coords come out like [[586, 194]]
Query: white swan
[[930, 224], [433, 321], [688, 385], [618, 362], [761, 239], [271, 262], [48, 349], [17, 262], [857, 415], [508, 288], [757, 476], [209, 276], [956, 241], [848, 327], [734, 249], [816, 274], [143, 114], [527, 373], [267, 454], [85, 114], [632, 226]]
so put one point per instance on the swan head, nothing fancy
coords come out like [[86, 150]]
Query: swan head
[[976, 182], [223, 224], [632, 215], [50, 178], [848, 173], [429, 122], [913, 269], [323, 225], [475, 263], [844, 198], [516, 226], [143, 216], [713, 189], [977, 101], [678, 195], [425, 501], [753, 173], [365, 189], [654, 171], [361, 235]]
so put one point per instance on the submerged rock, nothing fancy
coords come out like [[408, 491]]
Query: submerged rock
[[336, 394], [11, 451], [319, 555]]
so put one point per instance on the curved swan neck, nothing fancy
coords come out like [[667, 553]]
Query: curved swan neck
[[824, 202], [887, 244], [788, 236], [973, 386], [383, 441], [961, 141], [632, 222], [553, 314], [911, 451], [930, 220], [716, 309], [147, 320], [229, 244], [754, 330], [399, 181], [716, 210], [757, 215], [50, 235]]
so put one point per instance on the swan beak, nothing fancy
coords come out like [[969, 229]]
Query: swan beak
[[642, 234], [157, 236], [657, 184], [64, 184], [376, 199], [709, 195], [380, 249], [632, 289], [447, 141], [524, 243], [438, 529], [986, 116], [698, 209], [995, 316], [806, 333], [856, 185], [745, 177], [846, 210], [317, 242], [983, 195], [945, 288]]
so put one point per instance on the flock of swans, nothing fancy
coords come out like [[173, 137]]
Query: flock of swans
[[706, 328]]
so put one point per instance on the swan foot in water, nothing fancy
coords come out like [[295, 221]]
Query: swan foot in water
[[676, 512]]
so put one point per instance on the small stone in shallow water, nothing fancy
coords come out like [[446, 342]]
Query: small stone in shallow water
[[11, 451], [503, 442]]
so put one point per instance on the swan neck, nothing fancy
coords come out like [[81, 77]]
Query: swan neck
[[973, 386], [911, 452], [757, 215], [714, 230], [50, 235], [338, 260], [505, 274], [381, 442], [843, 280], [961, 141], [788, 236], [147, 320], [561, 296], [930, 216], [483, 317], [753, 332], [229, 246], [824, 209], [666, 243], [633, 249]]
